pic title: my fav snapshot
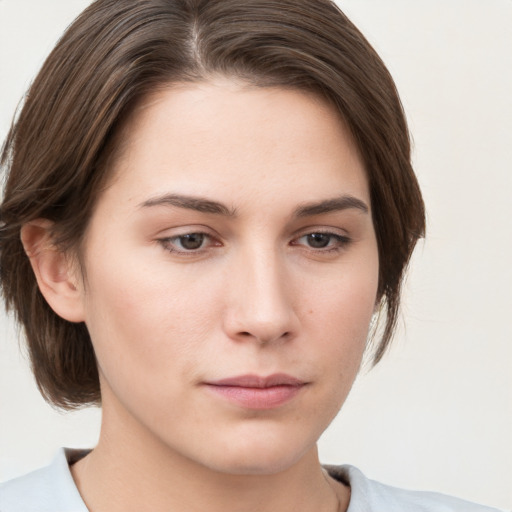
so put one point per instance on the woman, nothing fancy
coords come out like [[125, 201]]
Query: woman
[[207, 204]]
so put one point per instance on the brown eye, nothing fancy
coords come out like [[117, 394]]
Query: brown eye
[[192, 241], [318, 240], [323, 242], [189, 243]]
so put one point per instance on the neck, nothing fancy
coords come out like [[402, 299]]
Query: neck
[[130, 471]]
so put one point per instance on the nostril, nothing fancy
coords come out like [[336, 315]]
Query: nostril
[[264, 339]]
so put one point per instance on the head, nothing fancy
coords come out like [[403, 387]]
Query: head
[[117, 57]]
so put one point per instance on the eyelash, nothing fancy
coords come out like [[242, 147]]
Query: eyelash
[[168, 243], [340, 241], [335, 243]]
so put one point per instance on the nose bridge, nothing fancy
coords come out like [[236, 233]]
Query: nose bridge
[[261, 307]]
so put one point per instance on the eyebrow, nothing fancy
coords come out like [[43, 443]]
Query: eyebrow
[[198, 204], [344, 202], [203, 205]]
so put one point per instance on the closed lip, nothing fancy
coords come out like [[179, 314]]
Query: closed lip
[[258, 382], [256, 392]]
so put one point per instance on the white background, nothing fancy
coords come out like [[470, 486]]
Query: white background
[[437, 413]]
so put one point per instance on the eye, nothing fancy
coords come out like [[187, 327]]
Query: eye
[[318, 240], [192, 241], [187, 243], [322, 241]]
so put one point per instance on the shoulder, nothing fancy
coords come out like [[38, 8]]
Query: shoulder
[[371, 496], [45, 490]]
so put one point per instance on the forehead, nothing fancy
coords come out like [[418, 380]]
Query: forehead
[[224, 136]]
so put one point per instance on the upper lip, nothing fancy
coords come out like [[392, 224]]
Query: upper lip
[[256, 381]]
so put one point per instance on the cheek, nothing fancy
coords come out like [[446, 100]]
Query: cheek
[[344, 304], [148, 322], [338, 318]]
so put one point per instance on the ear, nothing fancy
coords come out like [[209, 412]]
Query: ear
[[57, 276]]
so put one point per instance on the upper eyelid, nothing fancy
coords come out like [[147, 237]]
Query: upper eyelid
[[203, 230], [325, 230], [181, 230]]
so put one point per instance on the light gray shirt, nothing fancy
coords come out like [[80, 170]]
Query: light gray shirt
[[52, 489]]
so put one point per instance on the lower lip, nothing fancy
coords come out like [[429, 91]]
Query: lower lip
[[257, 398]]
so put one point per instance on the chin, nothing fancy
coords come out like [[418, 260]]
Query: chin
[[263, 455], [257, 466]]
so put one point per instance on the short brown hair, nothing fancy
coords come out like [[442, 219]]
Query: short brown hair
[[116, 52]]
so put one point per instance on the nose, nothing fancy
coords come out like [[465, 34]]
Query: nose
[[260, 300]]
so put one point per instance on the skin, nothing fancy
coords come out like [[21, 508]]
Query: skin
[[259, 295]]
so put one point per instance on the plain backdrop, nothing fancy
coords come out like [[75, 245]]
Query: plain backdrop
[[437, 412]]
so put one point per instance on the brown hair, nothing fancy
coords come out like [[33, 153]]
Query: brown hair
[[118, 51]]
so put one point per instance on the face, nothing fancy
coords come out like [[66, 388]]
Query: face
[[231, 275]]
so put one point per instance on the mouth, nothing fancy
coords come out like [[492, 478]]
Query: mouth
[[255, 392]]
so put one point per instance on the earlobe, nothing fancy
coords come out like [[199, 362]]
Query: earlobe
[[54, 270]]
